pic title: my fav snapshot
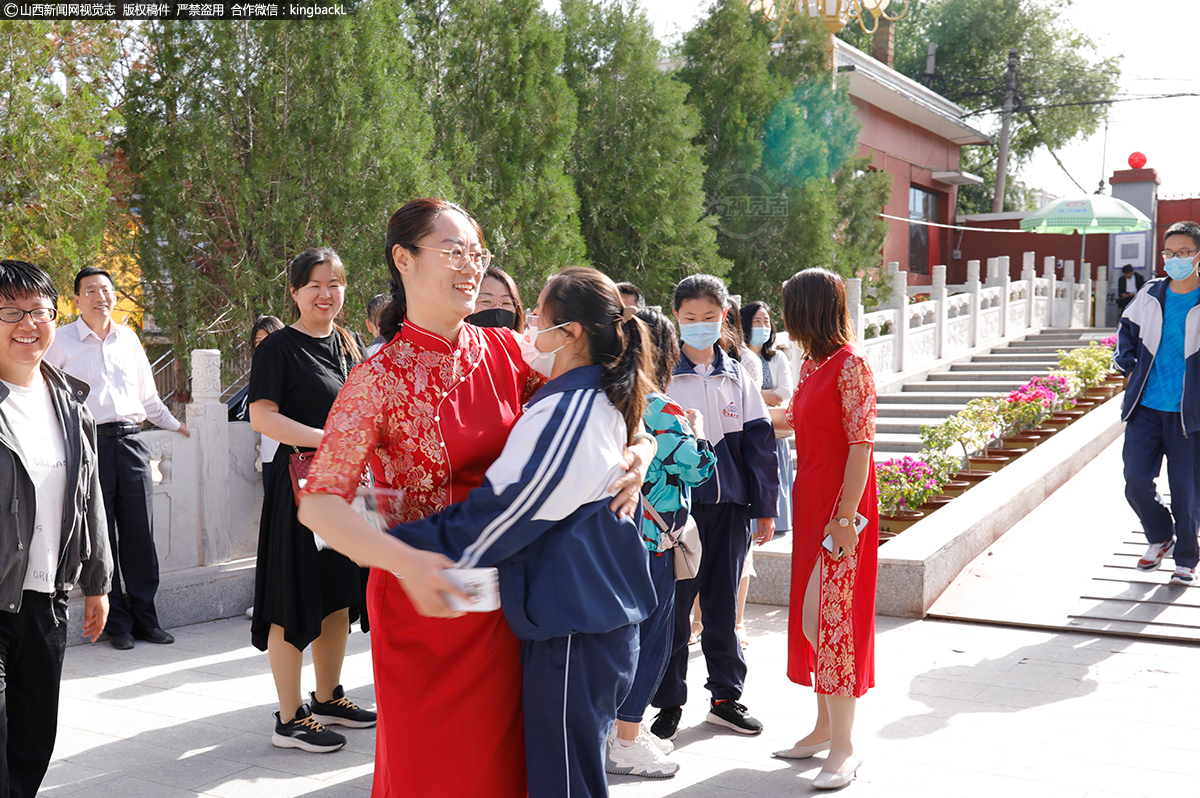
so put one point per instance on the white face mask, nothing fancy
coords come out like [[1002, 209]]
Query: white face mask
[[539, 361]]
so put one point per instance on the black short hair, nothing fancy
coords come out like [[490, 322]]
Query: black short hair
[[1189, 229], [90, 271], [633, 291], [1127, 268], [376, 305], [21, 280]]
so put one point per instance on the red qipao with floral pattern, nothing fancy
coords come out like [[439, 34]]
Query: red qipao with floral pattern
[[436, 415], [833, 407]]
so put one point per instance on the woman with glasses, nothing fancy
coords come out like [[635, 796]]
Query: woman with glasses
[[304, 596], [436, 405], [499, 302]]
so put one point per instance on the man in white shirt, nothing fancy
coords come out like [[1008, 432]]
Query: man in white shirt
[[52, 526], [110, 358]]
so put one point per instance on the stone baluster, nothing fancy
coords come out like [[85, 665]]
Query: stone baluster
[[854, 300], [900, 303], [1029, 275], [973, 287], [1051, 289], [1004, 280], [939, 294], [1101, 298], [993, 272], [1069, 290], [207, 417]]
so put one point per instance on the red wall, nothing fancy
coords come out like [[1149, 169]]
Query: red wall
[[1172, 211], [979, 245], [910, 154]]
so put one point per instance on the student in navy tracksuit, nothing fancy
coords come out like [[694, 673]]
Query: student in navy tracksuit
[[574, 576], [745, 486], [1158, 350]]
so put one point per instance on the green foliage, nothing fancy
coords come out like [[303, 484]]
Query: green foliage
[[254, 140], [971, 429], [1090, 365], [638, 175], [504, 118], [55, 124], [904, 483], [1058, 65], [780, 141]]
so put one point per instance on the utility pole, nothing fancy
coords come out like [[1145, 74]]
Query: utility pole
[[1010, 90]]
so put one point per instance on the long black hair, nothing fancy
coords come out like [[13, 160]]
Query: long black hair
[[706, 286], [617, 340], [666, 345]]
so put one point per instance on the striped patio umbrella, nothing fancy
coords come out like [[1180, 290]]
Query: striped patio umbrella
[[1093, 213]]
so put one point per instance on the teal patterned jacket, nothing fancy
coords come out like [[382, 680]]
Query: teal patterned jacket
[[682, 463]]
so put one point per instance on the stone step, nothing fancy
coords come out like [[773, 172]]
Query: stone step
[[1000, 356], [898, 442], [904, 425], [941, 398], [1034, 348], [886, 410], [971, 387], [985, 376], [998, 368]]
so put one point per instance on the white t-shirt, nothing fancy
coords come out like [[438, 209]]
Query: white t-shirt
[[30, 414]]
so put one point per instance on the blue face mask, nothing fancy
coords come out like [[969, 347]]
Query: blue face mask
[[701, 334], [1179, 268], [759, 335]]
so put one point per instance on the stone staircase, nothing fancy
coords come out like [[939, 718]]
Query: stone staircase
[[903, 413]]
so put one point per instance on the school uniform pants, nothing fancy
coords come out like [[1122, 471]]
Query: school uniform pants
[[655, 635], [32, 644], [571, 690], [724, 541], [1149, 436], [124, 465]]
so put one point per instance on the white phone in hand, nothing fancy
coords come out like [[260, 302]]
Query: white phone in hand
[[860, 523], [481, 584]]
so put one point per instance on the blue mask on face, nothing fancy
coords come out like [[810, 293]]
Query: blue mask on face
[[759, 335], [1179, 268], [700, 334]]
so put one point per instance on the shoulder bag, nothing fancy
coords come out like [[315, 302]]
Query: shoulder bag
[[685, 541]]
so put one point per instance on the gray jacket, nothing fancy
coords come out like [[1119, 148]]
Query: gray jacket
[[84, 557]]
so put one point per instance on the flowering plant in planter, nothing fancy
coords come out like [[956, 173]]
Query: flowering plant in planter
[[1026, 408], [1110, 342], [972, 428], [1090, 364], [904, 483], [1064, 385]]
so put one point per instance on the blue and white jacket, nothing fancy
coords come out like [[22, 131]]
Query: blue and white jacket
[[1138, 335], [738, 427], [568, 564]]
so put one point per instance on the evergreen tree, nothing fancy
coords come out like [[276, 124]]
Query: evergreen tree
[[781, 140], [638, 175], [253, 141], [55, 126], [503, 122]]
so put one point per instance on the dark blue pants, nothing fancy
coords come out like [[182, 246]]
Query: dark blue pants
[[654, 637], [1149, 436], [32, 644], [129, 502], [724, 540], [571, 690]]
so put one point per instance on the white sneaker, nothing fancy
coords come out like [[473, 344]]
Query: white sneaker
[[1183, 576], [666, 746], [643, 758]]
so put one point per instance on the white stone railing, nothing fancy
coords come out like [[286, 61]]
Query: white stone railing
[[988, 307], [207, 488]]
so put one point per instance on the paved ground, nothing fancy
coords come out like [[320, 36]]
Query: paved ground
[[961, 709]]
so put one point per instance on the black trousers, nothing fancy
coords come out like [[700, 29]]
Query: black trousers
[[724, 540], [129, 503], [32, 644]]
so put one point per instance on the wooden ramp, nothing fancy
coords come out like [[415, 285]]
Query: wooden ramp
[[1069, 564]]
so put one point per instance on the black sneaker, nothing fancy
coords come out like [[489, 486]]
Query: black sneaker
[[666, 725], [340, 711], [732, 715], [305, 733]]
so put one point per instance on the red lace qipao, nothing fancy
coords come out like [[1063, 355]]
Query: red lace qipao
[[833, 407], [449, 690]]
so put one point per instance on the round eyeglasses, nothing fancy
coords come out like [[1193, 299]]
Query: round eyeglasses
[[459, 257]]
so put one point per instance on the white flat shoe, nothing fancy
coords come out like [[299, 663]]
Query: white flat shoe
[[803, 751], [834, 781]]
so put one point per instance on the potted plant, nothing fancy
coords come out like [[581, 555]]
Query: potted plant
[[1023, 411], [1091, 365], [969, 430], [903, 484], [982, 423]]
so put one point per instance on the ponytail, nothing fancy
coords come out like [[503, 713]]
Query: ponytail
[[617, 340]]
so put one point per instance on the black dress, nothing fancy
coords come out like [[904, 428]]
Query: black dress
[[295, 585]]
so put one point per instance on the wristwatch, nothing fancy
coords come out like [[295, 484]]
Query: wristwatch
[[843, 522]]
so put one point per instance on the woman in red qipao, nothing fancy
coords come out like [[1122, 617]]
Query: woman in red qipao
[[833, 593], [435, 405]]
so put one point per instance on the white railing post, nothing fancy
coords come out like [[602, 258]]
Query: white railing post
[[1101, 298], [1004, 280], [900, 303], [208, 419], [939, 294], [1069, 290], [1051, 289], [993, 272], [973, 287], [1086, 275], [854, 300], [1029, 275]]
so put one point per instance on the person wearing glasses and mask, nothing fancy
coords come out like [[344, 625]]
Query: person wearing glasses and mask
[[1158, 351], [109, 357], [499, 302], [435, 406]]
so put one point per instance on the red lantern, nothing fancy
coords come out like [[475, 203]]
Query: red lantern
[[1137, 160]]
